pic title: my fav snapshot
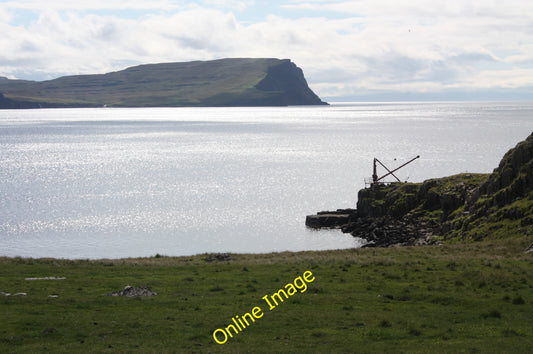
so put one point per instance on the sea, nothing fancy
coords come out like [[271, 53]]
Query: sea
[[139, 182]]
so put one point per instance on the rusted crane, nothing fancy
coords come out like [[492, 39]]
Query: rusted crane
[[376, 179]]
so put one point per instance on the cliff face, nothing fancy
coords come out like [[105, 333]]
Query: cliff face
[[503, 204], [460, 207], [225, 82], [288, 80], [512, 179]]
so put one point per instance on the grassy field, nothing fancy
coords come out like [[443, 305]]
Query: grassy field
[[470, 298]]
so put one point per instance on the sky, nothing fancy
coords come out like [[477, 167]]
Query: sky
[[361, 50]]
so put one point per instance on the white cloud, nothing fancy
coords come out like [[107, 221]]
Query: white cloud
[[392, 45], [512, 78], [238, 5], [38, 5], [159, 5], [417, 45]]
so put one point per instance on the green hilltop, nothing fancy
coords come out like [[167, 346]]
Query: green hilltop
[[224, 82]]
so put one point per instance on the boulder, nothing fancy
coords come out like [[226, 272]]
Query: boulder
[[130, 291]]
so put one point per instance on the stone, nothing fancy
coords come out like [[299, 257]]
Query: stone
[[46, 278], [330, 220], [49, 330], [130, 291], [218, 257]]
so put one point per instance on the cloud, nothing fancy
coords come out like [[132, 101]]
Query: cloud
[[418, 8], [511, 78], [344, 47], [37, 5], [158, 5], [418, 46], [74, 44]]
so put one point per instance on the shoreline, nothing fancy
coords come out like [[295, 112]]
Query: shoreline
[[269, 257]]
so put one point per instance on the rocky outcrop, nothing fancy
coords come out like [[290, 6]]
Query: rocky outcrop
[[336, 218], [388, 231], [463, 207], [503, 203], [512, 179]]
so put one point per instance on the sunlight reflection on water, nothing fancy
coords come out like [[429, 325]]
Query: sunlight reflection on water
[[96, 183]]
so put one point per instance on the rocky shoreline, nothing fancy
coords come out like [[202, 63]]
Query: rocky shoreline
[[464, 207], [377, 231]]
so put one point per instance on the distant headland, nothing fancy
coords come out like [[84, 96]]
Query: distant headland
[[224, 82]]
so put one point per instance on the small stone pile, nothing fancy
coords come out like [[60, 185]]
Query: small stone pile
[[130, 291], [219, 257]]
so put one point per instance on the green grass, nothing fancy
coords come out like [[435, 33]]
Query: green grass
[[474, 297], [512, 220]]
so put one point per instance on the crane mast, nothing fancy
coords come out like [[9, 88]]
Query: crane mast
[[376, 179]]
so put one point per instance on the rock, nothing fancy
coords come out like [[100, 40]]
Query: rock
[[326, 220], [219, 257], [130, 291], [512, 178], [46, 278], [49, 330]]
